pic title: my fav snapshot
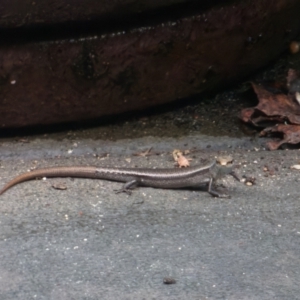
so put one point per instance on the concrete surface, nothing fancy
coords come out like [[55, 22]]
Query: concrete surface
[[86, 242]]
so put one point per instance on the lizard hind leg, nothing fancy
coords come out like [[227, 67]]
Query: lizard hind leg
[[127, 187]]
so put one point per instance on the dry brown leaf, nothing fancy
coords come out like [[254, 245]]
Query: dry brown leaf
[[180, 159], [278, 110], [290, 134], [225, 160], [272, 107]]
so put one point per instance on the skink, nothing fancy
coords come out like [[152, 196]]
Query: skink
[[157, 178]]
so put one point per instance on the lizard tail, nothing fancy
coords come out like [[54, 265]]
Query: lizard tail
[[77, 171]]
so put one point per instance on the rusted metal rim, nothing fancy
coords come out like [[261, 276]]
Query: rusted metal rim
[[46, 82]]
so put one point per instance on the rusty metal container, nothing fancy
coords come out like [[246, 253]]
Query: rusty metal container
[[68, 61]]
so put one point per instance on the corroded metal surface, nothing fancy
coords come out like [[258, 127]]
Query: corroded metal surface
[[82, 79], [20, 13]]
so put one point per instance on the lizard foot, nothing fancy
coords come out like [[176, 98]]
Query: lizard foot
[[224, 196], [218, 195], [122, 190]]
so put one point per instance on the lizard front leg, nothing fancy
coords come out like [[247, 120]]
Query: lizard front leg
[[213, 192]]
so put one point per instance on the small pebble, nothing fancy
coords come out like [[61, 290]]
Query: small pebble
[[169, 280]]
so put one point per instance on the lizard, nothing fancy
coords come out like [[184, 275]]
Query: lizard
[[158, 178]]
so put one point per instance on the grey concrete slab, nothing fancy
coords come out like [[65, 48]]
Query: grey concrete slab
[[86, 242]]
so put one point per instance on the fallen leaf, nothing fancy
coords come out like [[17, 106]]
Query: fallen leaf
[[180, 159], [144, 153], [278, 111], [225, 160], [59, 186], [290, 134], [272, 107]]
